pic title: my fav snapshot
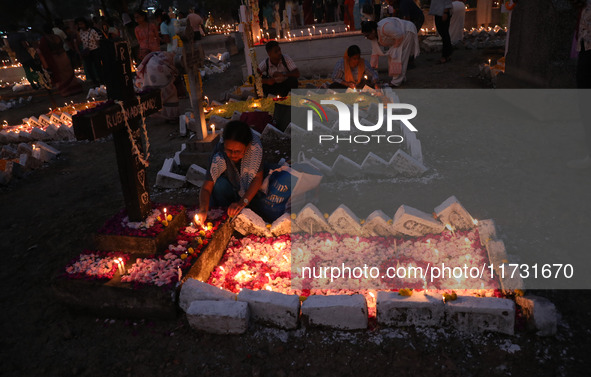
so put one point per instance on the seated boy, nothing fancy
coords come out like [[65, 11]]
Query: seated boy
[[280, 74]]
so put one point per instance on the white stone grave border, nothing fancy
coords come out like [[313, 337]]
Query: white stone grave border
[[466, 314]]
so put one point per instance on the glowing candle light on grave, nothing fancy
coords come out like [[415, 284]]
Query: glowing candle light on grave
[[489, 60], [333, 32], [122, 264], [213, 129]]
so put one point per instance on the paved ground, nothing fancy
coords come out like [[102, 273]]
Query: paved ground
[[512, 173]]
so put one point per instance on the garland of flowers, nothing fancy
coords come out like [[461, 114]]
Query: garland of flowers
[[134, 148]]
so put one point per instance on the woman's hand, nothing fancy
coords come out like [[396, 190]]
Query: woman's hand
[[234, 209], [201, 217]]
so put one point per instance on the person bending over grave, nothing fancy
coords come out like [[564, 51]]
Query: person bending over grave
[[352, 71], [280, 74], [235, 176], [158, 70], [401, 38]]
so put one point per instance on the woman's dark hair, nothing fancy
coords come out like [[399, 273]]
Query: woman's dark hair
[[368, 26], [353, 50], [82, 19], [271, 45], [142, 13], [238, 131]]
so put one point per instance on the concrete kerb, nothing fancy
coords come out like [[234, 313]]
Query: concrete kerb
[[466, 314]]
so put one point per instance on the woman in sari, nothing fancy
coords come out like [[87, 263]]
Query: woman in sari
[[146, 34], [158, 70], [56, 61], [235, 174], [353, 72]]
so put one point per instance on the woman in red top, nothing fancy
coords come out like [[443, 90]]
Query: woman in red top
[[146, 34]]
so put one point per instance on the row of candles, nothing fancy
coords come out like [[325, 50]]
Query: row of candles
[[312, 32], [6, 63], [224, 29], [495, 29]]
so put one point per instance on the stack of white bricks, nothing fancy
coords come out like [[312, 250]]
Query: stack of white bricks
[[214, 310], [44, 128]]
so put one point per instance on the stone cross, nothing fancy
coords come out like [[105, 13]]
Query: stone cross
[[122, 116]]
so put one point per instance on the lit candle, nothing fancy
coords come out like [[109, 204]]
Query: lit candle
[[333, 33], [213, 129], [122, 264], [180, 273], [488, 61]]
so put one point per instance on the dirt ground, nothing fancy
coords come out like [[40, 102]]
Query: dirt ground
[[49, 216]]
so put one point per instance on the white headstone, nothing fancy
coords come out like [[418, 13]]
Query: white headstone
[[407, 165], [248, 222], [311, 220], [412, 222], [282, 225], [344, 221], [452, 212], [374, 164], [377, 224], [346, 167]]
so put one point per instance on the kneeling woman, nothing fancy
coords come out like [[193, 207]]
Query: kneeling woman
[[352, 71], [235, 173]]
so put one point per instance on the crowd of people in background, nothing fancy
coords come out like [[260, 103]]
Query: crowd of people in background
[[50, 54]]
